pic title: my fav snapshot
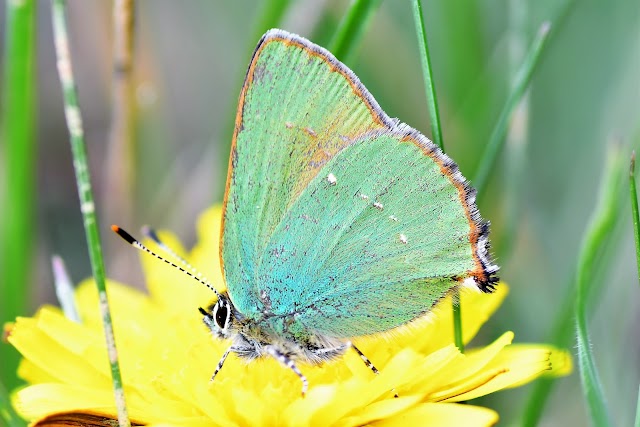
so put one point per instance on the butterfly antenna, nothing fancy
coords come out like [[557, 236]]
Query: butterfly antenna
[[151, 234], [138, 245]]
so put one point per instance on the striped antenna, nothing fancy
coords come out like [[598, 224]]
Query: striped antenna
[[150, 233], [194, 274]]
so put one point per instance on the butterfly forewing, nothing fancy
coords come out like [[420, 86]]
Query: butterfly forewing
[[296, 111]]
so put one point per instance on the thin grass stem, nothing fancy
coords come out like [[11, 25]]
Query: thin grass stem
[[429, 85], [17, 140], [457, 322], [436, 130], [520, 85], [351, 28], [83, 182], [634, 209]]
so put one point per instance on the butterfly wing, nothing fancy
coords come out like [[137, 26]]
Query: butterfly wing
[[338, 219], [294, 114]]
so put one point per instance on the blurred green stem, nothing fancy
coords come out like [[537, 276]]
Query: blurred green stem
[[83, 182], [562, 332], [270, 17], [520, 84], [119, 179], [634, 209], [352, 27], [603, 221], [17, 129], [429, 85], [457, 322]]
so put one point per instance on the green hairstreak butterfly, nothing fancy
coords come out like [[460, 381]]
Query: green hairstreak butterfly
[[338, 221]]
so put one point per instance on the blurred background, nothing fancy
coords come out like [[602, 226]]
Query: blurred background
[[189, 63]]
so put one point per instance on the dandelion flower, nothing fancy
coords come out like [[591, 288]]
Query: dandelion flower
[[167, 357]]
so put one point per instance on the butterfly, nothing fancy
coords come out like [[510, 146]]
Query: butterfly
[[338, 221]]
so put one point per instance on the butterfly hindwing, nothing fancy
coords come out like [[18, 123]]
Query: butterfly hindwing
[[372, 249], [338, 218]]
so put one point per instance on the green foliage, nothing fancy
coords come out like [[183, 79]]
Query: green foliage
[[17, 169]]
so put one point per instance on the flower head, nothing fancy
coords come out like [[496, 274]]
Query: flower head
[[167, 357]]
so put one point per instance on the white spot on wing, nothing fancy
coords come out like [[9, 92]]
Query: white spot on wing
[[378, 205], [393, 218], [288, 125], [332, 179], [470, 283], [363, 196], [403, 239]]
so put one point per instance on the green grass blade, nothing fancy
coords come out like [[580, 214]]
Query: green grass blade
[[432, 101], [83, 182], [436, 130], [352, 27], [634, 209], [8, 416], [17, 124], [520, 84], [603, 221]]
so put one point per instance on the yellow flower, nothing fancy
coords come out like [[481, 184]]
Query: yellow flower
[[167, 357]]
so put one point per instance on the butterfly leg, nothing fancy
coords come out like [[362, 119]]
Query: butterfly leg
[[221, 362], [288, 362], [365, 360]]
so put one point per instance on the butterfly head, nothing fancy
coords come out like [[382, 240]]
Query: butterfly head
[[219, 318]]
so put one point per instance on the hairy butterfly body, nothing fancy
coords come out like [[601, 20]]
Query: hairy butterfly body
[[338, 221]]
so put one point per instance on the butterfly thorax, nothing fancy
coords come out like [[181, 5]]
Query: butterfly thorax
[[253, 338]]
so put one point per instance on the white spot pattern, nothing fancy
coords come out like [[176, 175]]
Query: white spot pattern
[[332, 179]]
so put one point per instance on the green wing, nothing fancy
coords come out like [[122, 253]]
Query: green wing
[[337, 218]]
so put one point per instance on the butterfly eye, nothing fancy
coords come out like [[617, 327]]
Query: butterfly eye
[[221, 315]]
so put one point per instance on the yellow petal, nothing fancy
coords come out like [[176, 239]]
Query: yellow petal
[[513, 367], [205, 254], [171, 288], [54, 357], [379, 411], [442, 414]]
